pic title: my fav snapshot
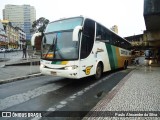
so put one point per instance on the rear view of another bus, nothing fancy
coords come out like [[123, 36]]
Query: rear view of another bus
[[149, 56]]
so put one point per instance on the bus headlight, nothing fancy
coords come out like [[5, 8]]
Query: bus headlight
[[150, 62], [71, 67], [42, 66]]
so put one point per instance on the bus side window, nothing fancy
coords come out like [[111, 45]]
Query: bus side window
[[113, 39], [102, 34], [98, 33], [108, 36], [87, 38]]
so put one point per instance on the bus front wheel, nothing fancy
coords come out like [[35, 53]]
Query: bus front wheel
[[99, 71]]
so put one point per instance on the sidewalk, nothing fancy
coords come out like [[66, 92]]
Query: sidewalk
[[15, 58], [12, 70], [138, 91], [19, 61]]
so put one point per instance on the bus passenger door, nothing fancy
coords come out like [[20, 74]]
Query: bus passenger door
[[87, 58], [87, 66]]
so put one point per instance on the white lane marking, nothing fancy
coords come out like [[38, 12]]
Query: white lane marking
[[52, 109], [36, 118], [59, 106], [72, 97], [63, 102], [79, 93], [20, 98]]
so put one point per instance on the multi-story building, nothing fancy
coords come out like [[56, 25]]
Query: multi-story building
[[11, 33], [151, 35], [3, 37], [21, 16], [21, 37], [115, 29], [136, 41]]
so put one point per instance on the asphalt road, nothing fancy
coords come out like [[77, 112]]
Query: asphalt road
[[46, 93]]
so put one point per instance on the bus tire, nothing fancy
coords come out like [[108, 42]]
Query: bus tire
[[99, 71]]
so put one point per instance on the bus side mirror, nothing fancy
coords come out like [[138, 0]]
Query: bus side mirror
[[75, 33], [36, 42], [34, 38]]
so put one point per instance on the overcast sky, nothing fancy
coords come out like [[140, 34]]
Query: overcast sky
[[126, 14]]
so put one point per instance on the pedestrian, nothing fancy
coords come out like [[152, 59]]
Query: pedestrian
[[24, 47], [136, 61], [158, 58]]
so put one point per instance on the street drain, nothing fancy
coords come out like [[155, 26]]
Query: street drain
[[99, 94]]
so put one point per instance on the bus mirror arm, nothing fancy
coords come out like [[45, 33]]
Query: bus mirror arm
[[34, 37], [36, 42], [76, 32]]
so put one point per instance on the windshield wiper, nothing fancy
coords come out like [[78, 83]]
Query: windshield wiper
[[53, 46]]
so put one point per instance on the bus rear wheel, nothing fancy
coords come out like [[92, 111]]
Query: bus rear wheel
[[99, 71]]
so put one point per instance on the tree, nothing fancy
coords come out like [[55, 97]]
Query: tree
[[39, 25]]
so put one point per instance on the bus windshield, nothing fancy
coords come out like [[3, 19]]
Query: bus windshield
[[57, 42], [65, 24]]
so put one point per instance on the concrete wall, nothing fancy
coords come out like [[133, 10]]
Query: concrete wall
[[151, 7]]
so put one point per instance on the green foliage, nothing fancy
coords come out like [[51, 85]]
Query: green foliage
[[39, 25], [28, 42]]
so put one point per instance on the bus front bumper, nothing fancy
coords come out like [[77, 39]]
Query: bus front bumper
[[61, 73]]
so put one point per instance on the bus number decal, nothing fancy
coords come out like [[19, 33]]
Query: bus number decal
[[87, 70]]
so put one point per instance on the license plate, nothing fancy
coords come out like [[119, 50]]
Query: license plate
[[53, 73]]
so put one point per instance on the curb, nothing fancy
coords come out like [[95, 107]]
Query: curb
[[24, 63], [104, 101], [3, 59], [19, 78]]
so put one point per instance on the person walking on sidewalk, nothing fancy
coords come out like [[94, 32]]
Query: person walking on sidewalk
[[24, 47], [136, 61]]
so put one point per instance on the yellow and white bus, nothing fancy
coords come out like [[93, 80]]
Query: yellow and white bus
[[78, 47]]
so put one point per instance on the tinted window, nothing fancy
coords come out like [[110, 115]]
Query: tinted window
[[105, 35], [87, 38], [102, 34]]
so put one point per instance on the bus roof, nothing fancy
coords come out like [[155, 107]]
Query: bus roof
[[96, 22]]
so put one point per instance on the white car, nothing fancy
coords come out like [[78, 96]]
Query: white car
[[9, 50], [2, 49]]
